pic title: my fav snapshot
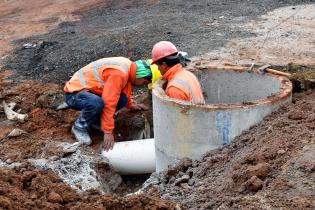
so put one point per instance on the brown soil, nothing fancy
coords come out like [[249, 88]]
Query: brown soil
[[25, 187], [271, 166], [29, 188], [45, 124]]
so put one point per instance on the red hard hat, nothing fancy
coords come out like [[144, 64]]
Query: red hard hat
[[162, 49]]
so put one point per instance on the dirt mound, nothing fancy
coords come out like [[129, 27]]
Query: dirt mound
[[33, 189], [269, 166], [44, 123]]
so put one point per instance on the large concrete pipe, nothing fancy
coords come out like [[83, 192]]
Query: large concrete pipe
[[132, 157], [236, 99]]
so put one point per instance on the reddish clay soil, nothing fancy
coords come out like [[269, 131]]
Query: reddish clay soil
[[45, 124], [271, 166], [29, 188]]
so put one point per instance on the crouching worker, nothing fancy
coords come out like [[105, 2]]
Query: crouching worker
[[181, 84], [100, 89]]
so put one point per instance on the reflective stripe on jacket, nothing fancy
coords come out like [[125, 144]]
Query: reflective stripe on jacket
[[107, 77], [183, 85], [91, 77]]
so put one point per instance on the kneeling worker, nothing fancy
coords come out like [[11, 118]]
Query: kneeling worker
[[181, 84], [101, 88]]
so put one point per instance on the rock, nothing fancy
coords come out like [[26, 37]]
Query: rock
[[254, 184], [54, 198], [191, 182], [50, 99], [151, 181], [183, 179], [16, 132], [9, 161], [33, 196], [172, 180], [201, 189], [40, 163], [260, 170], [177, 207], [183, 165], [24, 164], [70, 148], [296, 115], [281, 152], [53, 158]]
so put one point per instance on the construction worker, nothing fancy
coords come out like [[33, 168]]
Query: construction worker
[[100, 89], [181, 84]]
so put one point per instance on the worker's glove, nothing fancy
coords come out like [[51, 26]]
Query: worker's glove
[[108, 141], [183, 58]]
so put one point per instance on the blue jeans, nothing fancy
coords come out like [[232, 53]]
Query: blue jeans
[[91, 106]]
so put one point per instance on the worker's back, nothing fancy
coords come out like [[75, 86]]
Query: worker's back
[[183, 85], [92, 76]]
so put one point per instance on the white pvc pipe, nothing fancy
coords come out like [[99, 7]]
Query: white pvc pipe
[[132, 157]]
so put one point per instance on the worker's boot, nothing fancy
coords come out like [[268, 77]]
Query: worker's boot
[[81, 136]]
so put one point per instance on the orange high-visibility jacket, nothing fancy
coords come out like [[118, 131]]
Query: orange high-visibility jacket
[[107, 77], [183, 85]]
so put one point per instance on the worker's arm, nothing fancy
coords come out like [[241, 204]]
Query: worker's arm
[[111, 92], [127, 90], [110, 95], [174, 92]]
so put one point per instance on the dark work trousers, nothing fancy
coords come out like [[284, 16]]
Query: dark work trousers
[[91, 106]]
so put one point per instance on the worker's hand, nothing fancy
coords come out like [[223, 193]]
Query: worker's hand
[[138, 107], [109, 141]]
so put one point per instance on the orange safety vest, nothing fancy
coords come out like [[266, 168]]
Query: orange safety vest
[[107, 77], [90, 77], [189, 84]]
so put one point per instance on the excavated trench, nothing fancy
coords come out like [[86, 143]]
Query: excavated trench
[[49, 145], [232, 94]]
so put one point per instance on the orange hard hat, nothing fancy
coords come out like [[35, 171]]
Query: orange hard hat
[[162, 49]]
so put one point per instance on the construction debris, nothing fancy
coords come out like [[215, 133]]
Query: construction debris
[[16, 132], [12, 115]]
